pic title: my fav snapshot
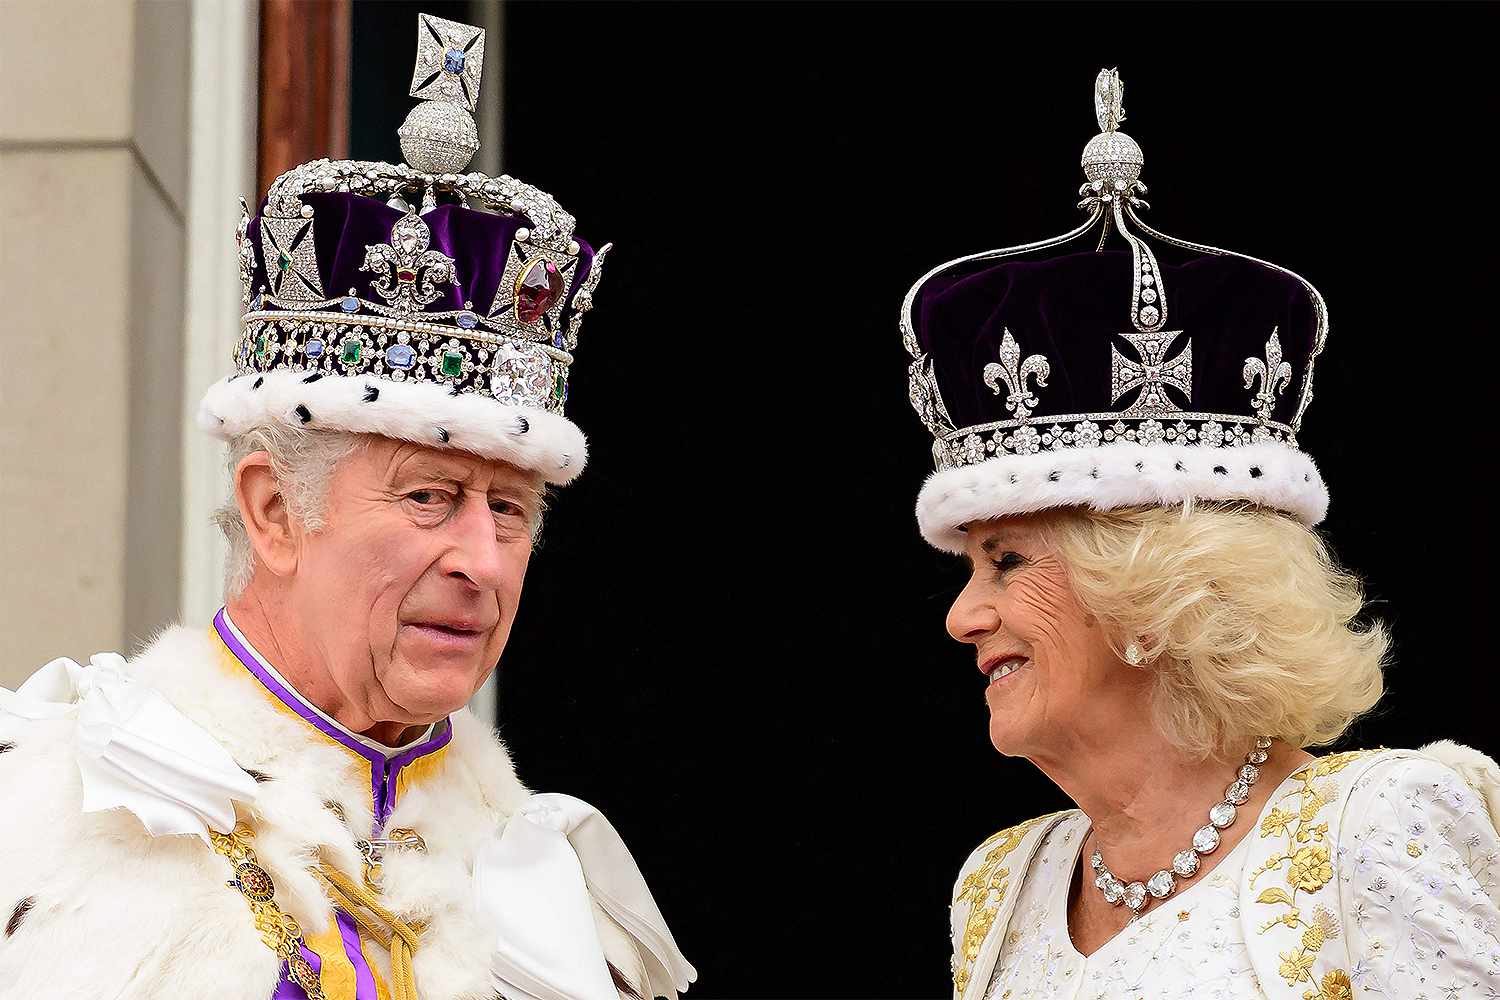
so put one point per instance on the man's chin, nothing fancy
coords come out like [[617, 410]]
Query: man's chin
[[428, 687]]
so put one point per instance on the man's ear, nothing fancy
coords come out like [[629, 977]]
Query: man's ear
[[273, 536]]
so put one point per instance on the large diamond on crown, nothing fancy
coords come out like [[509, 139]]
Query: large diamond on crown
[[521, 375]]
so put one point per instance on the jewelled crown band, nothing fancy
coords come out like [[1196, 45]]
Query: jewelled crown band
[[456, 287], [1018, 354]]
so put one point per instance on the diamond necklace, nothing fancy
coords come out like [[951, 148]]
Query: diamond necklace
[[1205, 841]]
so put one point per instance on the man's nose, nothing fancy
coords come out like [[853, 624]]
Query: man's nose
[[476, 554]]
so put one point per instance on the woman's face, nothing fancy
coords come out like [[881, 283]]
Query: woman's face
[[1051, 678]]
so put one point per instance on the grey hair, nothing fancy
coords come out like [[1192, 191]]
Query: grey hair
[[303, 463]]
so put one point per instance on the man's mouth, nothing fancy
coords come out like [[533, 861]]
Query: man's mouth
[[449, 632], [1001, 667]]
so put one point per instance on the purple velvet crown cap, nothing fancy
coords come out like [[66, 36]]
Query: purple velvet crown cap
[[479, 242], [1069, 310]]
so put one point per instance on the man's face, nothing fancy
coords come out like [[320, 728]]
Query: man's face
[[414, 582]]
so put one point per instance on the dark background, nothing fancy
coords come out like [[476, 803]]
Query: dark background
[[732, 640]]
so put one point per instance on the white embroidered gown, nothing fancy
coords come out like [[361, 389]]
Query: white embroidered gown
[[1415, 897]]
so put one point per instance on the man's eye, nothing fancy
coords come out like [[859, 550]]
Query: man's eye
[[426, 497], [506, 508]]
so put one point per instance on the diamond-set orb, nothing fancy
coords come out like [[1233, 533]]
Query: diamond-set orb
[[1185, 864]]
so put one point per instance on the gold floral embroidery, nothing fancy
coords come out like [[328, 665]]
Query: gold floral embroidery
[[976, 890], [1334, 986], [1309, 867], [1310, 870], [1413, 849]]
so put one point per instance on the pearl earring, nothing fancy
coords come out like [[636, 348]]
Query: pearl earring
[[1132, 654]]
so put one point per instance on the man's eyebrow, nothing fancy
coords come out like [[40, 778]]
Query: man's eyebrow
[[425, 470]]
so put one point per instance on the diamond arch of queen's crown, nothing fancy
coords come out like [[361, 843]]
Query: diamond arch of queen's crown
[[1113, 199], [516, 348]]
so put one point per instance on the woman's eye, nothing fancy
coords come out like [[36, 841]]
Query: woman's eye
[[1009, 560]]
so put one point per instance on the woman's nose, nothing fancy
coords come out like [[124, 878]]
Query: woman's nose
[[972, 617]]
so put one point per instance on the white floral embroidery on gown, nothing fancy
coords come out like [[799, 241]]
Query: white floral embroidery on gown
[[1189, 945], [1419, 883], [1418, 872]]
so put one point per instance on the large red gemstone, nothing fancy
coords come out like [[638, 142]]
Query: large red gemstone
[[406, 276], [538, 288]]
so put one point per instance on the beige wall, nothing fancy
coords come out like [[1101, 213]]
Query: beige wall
[[94, 165]]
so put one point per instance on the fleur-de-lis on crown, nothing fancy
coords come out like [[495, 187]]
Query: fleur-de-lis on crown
[[1014, 372], [409, 271], [1274, 374]]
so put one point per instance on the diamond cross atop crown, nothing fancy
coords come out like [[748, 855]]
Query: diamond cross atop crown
[[439, 135]]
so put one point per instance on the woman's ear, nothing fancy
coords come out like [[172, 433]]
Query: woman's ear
[[273, 536]]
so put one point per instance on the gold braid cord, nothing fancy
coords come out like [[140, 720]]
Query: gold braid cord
[[398, 937], [282, 934], [277, 929]]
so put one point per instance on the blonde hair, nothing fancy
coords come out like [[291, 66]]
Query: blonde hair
[[1241, 613]]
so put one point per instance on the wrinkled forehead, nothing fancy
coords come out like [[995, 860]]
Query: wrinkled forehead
[[986, 537], [404, 460]]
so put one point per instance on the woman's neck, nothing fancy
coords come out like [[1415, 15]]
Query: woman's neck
[[1145, 798]]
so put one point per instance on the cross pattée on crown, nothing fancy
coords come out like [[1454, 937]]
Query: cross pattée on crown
[[450, 59], [1152, 373]]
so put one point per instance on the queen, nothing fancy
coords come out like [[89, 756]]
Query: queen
[[1161, 630]]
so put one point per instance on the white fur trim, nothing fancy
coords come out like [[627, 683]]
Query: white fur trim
[[118, 913], [1117, 475], [1478, 770], [409, 411]]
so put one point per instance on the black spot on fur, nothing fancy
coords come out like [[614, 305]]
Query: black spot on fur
[[371, 394], [1013, 479], [259, 382], [312, 378], [1255, 472], [19, 914], [1140, 467], [525, 425], [1094, 474], [1306, 478], [442, 435], [1053, 476], [6, 746], [304, 414], [1177, 466], [260, 777], [455, 390], [1219, 470]]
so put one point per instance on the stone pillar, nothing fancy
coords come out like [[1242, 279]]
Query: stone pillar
[[94, 159]]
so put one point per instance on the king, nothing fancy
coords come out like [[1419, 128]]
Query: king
[[292, 801]]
